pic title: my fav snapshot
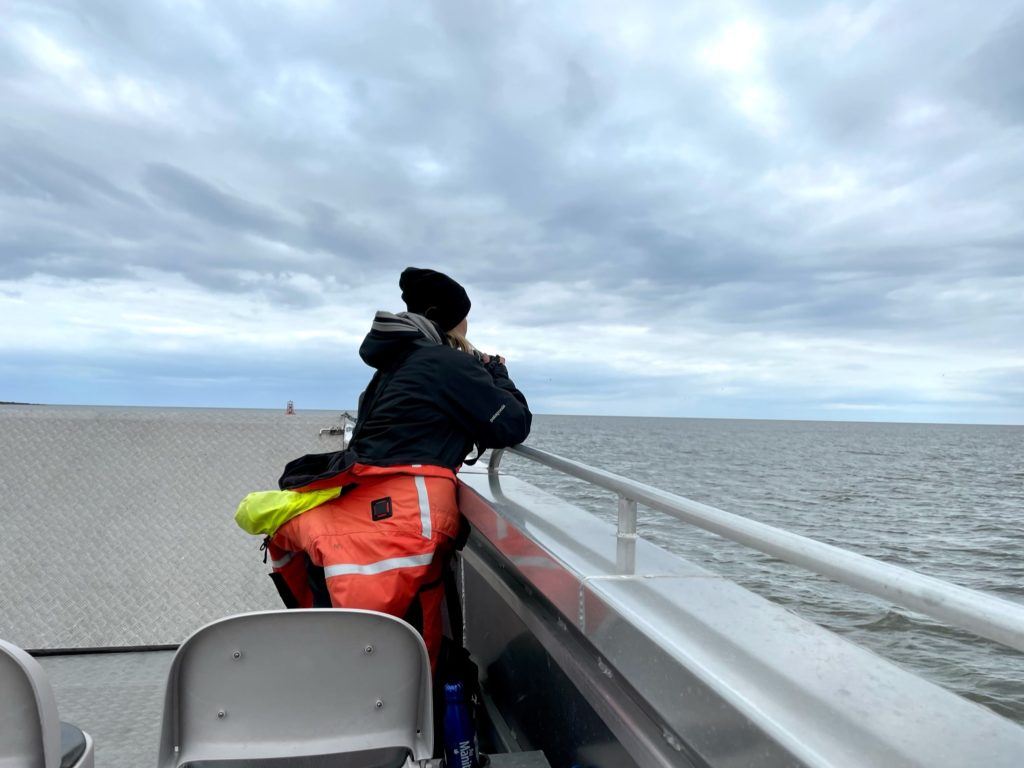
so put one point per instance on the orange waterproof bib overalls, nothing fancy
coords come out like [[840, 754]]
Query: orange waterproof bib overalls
[[382, 545]]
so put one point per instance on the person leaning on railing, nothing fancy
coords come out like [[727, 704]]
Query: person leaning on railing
[[382, 544]]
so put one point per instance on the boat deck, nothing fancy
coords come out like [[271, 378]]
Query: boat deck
[[117, 698], [118, 526]]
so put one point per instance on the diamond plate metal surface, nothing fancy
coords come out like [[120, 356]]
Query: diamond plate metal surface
[[117, 699], [118, 523]]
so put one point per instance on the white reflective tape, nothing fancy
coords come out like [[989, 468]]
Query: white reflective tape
[[283, 561], [421, 495], [350, 569], [497, 413]]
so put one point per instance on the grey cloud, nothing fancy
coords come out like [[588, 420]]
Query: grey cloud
[[327, 229], [582, 97], [28, 170], [204, 201], [42, 253], [515, 145], [1003, 53]]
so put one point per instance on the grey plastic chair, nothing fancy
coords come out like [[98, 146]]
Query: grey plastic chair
[[305, 688], [31, 733]]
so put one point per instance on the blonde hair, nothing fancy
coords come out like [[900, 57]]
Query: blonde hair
[[460, 342]]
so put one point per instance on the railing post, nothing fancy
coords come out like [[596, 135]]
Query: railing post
[[625, 545], [494, 460]]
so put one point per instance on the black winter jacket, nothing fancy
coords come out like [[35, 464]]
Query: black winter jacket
[[430, 404]]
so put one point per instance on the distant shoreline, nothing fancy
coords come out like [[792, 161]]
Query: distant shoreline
[[543, 415]]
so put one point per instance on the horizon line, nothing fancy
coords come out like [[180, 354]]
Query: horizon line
[[539, 413]]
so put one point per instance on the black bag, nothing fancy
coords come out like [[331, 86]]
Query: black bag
[[316, 471]]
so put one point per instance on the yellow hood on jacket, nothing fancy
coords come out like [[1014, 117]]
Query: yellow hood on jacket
[[263, 512]]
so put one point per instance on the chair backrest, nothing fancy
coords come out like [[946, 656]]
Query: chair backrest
[[280, 685], [29, 725]]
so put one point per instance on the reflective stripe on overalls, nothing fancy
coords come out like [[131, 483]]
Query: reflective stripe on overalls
[[382, 545]]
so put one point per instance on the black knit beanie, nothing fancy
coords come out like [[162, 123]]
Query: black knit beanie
[[435, 296]]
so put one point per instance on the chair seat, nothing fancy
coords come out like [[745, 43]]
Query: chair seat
[[369, 758], [72, 745]]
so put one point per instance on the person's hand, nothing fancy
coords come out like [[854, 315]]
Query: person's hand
[[487, 358]]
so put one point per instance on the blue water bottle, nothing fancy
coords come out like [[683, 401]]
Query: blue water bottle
[[460, 749]]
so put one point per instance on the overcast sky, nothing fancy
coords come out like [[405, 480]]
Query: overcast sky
[[739, 209]]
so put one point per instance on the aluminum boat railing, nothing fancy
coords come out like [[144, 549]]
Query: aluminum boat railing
[[980, 613]]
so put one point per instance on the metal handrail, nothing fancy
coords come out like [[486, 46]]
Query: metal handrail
[[983, 614]]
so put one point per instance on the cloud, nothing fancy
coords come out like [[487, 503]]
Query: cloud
[[735, 202], [194, 196]]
